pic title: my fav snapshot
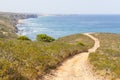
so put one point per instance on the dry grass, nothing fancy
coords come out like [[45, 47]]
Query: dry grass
[[27, 60], [76, 39], [107, 58], [7, 29]]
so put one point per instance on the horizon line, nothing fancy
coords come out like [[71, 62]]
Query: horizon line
[[57, 13]]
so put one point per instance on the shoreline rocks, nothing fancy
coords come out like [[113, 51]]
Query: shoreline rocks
[[10, 20]]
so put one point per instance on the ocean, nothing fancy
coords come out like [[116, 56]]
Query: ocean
[[63, 25]]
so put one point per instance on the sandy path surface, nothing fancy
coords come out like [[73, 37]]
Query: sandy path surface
[[76, 68]]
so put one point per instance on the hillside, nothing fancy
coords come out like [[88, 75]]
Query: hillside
[[30, 60], [106, 60], [76, 67], [8, 23]]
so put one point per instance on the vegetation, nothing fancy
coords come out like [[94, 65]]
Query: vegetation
[[106, 59], [7, 30], [80, 43], [22, 59], [29, 60], [23, 38], [77, 39], [8, 23], [44, 38]]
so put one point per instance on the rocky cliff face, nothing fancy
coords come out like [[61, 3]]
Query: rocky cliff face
[[16, 17], [8, 23]]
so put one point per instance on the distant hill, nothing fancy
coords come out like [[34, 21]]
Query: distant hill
[[8, 23]]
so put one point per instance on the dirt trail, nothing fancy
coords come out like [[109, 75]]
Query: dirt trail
[[76, 68]]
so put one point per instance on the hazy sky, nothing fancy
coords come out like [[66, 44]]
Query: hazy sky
[[62, 6]]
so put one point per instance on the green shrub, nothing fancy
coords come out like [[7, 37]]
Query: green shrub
[[81, 44], [23, 38], [44, 38]]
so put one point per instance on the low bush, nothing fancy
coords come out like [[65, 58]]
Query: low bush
[[23, 38], [44, 38], [81, 44]]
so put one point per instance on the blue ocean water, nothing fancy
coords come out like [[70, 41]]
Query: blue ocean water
[[59, 26]]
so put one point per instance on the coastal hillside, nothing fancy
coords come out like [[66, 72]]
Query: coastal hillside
[[77, 67], [106, 60], [8, 23], [30, 60], [22, 59]]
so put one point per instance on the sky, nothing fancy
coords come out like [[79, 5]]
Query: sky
[[61, 6]]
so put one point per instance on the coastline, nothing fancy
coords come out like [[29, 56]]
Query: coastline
[[20, 21], [20, 18], [10, 20]]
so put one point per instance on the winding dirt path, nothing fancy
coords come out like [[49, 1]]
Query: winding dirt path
[[76, 68]]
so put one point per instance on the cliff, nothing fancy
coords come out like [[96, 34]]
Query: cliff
[[8, 23], [14, 17]]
